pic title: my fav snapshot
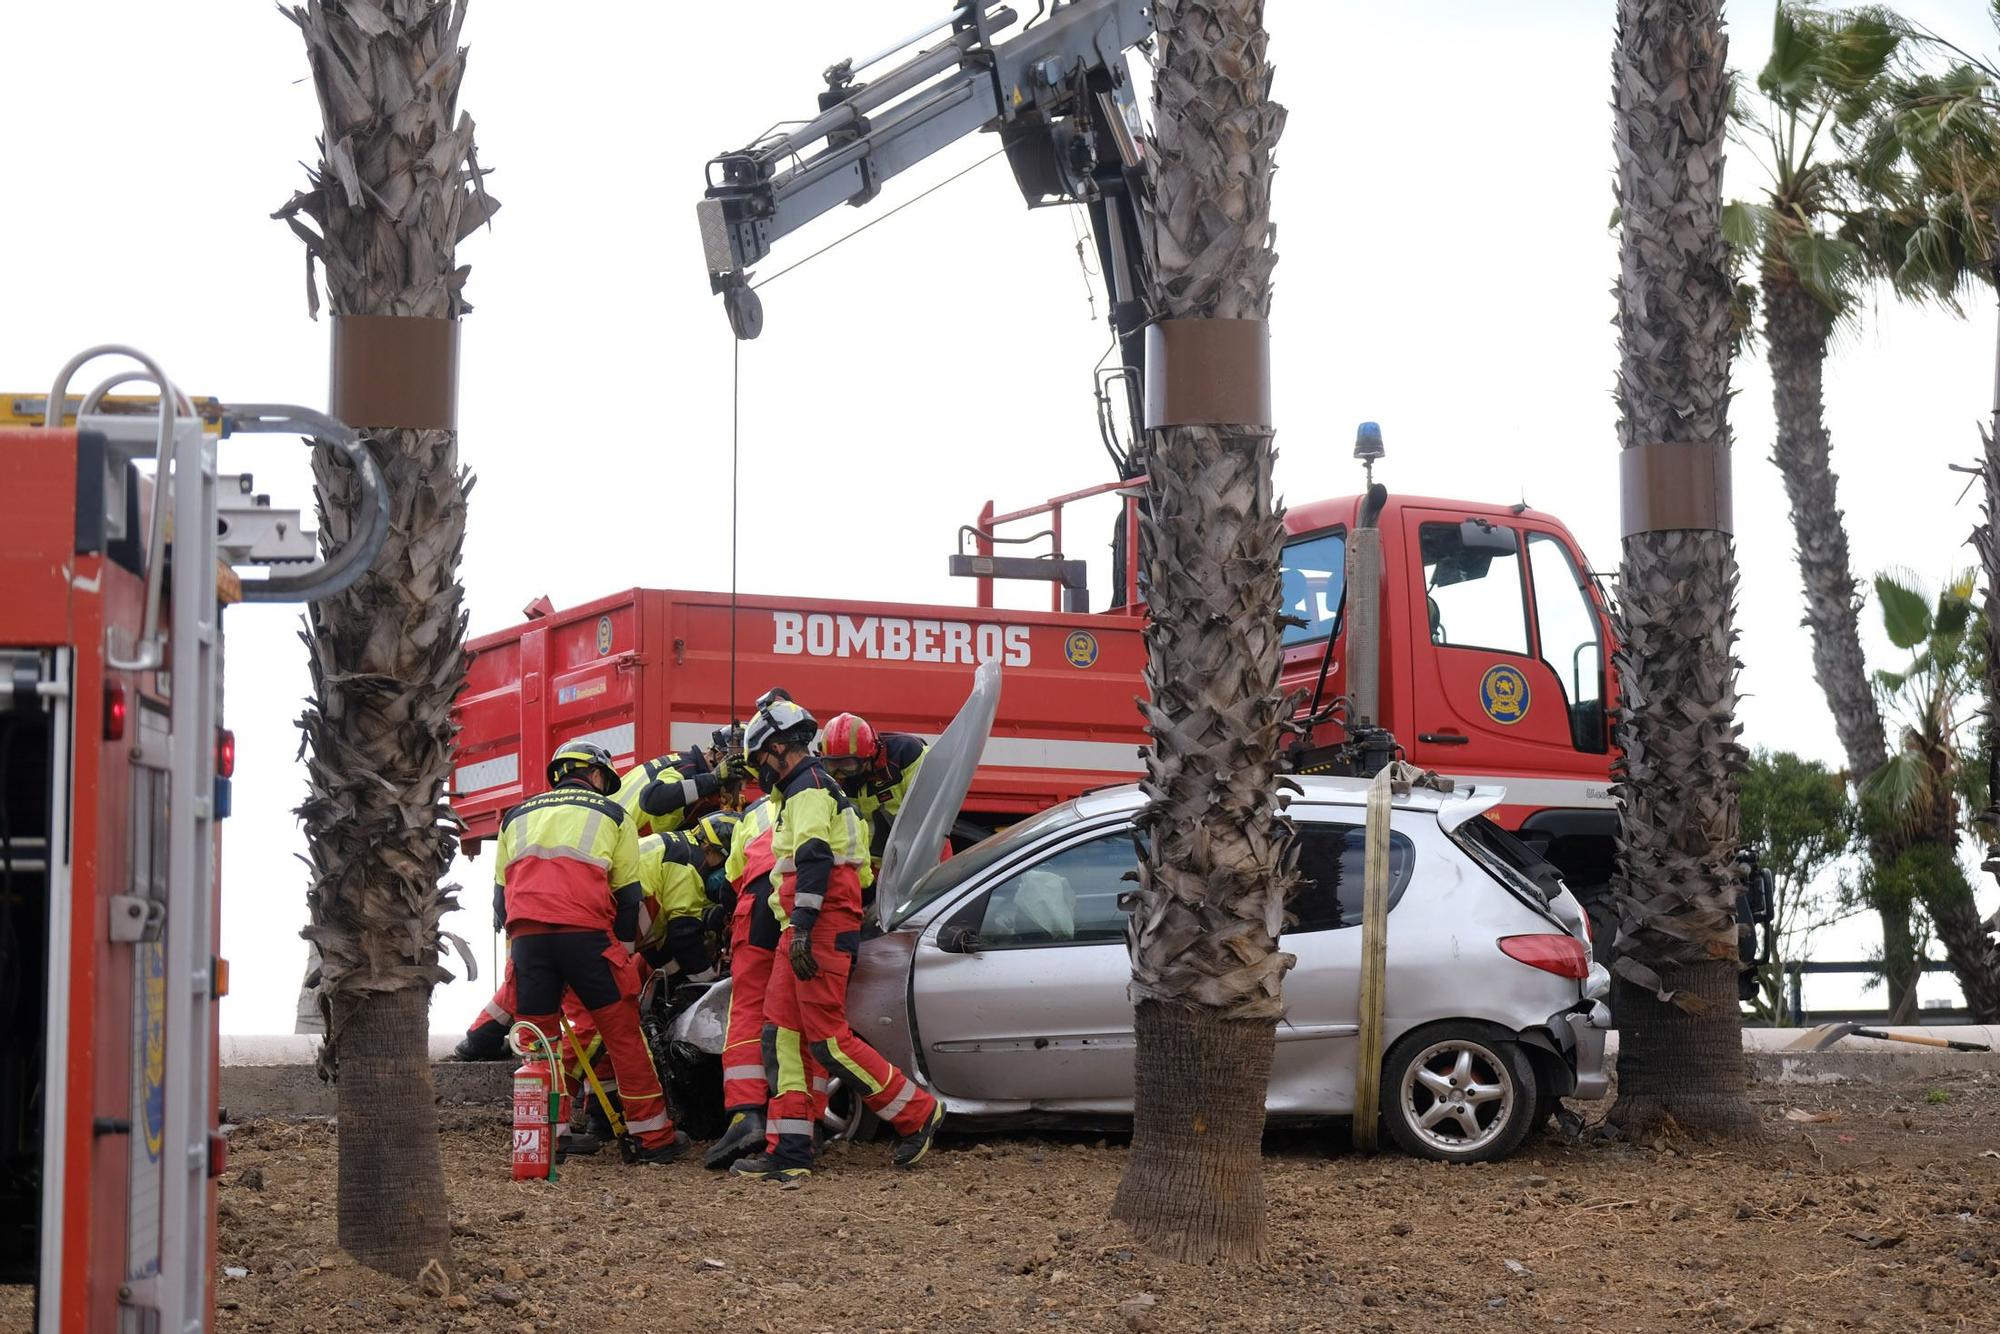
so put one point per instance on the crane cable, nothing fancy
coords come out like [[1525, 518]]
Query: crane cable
[[736, 394], [735, 453]]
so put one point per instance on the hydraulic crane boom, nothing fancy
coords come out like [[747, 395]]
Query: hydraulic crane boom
[[1059, 94]]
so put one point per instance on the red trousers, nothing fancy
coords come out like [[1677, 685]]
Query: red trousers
[[748, 1059], [500, 1010], [810, 1018], [605, 980]]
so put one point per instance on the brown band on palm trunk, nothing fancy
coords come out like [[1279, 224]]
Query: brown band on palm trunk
[[1208, 373], [1675, 485], [395, 371]]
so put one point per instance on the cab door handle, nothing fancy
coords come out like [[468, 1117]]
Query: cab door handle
[[1443, 738]]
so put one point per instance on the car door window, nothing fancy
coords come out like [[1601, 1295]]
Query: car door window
[[1333, 869], [1069, 898], [1474, 596], [1315, 570]]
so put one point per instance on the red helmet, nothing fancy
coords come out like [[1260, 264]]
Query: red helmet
[[848, 736]]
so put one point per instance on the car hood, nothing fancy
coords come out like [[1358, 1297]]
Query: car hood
[[934, 800]]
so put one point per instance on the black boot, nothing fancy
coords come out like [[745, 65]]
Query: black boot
[[671, 1151], [487, 1041], [745, 1135], [763, 1167], [911, 1148], [577, 1146]]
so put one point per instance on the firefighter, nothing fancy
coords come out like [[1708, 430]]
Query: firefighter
[[660, 792], [688, 897], [567, 878], [876, 771], [820, 864], [753, 942]]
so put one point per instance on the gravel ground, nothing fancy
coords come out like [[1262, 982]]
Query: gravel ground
[[1884, 1213]]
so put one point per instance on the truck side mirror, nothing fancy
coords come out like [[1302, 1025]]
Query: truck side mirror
[[1479, 537]]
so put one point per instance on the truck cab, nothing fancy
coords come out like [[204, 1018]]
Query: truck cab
[[1495, 658]]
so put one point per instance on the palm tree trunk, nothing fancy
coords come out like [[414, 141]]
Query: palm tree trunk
[[395, 191], [1206, 969], [1796, 326], [1680, 1052]]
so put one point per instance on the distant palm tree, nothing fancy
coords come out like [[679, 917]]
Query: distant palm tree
[[1680, 1053], [395, 190], [1206, 968], [1827, 226], [1924, 788]]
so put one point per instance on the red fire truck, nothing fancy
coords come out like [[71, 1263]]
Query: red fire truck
[[1488, 639], [114, 773], [1502, 679]]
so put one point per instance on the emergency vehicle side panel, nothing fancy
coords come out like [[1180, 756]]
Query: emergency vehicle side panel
[[648, 670]]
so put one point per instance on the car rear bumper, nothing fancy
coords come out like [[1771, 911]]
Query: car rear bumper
[[1587, 1029]]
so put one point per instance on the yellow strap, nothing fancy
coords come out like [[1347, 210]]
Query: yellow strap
[[590, 1073]]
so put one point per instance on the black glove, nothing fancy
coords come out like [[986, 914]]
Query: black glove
[[804, 966], [499, 908], [735, 769]]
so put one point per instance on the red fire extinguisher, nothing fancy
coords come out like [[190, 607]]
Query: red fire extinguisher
[[538, 1103]]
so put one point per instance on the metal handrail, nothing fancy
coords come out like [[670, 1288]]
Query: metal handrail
[[339, 571]]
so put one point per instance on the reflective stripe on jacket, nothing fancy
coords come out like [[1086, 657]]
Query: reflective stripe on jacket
[[563, 855]]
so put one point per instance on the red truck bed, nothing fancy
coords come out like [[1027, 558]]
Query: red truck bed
[[647, 670]]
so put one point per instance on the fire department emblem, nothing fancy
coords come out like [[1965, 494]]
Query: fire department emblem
[[1503, 693], [1081, 648], [603, 635]]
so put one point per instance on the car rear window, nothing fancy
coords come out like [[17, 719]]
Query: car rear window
[[949, 875], [1510, 860]]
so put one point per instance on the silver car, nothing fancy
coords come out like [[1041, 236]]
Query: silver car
[[1001, 981]]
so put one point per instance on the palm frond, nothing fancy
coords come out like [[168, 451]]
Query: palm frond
[[1906, 613]]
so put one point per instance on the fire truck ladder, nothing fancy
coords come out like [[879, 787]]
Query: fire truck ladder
[[172, 1289]]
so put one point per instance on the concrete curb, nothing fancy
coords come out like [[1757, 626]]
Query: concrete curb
[[274, 1076]]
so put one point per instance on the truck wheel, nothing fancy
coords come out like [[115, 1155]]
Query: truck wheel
[[1455, 1093]]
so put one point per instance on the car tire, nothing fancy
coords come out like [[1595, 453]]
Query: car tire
[[1432, 1068]]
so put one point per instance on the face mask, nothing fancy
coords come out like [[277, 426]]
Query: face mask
[[854, 784], [717, 883], [767, 775]]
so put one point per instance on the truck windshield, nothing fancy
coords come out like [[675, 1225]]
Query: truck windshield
[[946, 876], [1315, 572]]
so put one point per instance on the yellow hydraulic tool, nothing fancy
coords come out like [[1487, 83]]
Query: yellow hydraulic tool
[[590, 1073]]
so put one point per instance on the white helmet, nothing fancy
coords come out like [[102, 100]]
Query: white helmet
[[777, 721]]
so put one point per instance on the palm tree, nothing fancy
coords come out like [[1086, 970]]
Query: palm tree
[[1216, 869], [1818, 237], [1680, 1053], [1922, 790], [395, 190]]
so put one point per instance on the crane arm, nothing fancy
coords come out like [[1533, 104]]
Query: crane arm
[[1059, 94]]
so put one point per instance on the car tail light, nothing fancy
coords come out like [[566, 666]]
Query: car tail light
[[1562, 955], [115, 705], [225, 753]]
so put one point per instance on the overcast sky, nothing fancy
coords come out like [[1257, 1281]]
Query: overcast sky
[[1444, 184]]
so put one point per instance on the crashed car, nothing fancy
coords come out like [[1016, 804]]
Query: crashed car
[[1000, 977]]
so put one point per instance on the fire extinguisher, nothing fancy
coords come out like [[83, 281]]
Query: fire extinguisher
[[539, 1098]]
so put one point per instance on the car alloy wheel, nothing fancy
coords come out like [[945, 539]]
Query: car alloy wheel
[[1456, 1093]]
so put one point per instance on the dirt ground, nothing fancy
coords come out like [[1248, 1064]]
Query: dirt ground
[[1884, 1217]]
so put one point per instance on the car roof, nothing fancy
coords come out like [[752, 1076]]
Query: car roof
[[1314, 789]]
